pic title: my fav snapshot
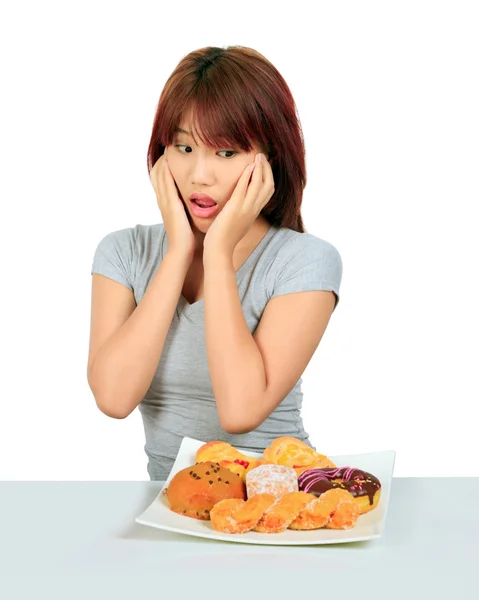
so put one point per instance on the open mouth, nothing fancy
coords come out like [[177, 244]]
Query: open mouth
[[203, 204], [203, 210]]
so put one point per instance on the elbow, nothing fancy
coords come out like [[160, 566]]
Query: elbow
[[111, 411], [237, 429], [111, 408], [237, 425], [241, 421]]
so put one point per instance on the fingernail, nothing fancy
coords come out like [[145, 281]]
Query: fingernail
[[259, 157]]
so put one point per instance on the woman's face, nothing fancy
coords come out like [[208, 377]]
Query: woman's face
[[199, 169]]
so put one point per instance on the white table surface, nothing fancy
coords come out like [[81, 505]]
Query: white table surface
[[74, 540]]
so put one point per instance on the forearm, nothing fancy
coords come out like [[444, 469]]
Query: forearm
[[235, 363], [125, 366]]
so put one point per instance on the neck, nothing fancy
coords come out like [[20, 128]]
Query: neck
[[257, 230]]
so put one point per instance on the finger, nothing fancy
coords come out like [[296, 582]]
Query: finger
[[162, 180], [261, 165], [263, 187], [256, 182], [268, 173], [156, 175], [166, 177], [168, 181], [242, 184], [246, 176], [268, 181]]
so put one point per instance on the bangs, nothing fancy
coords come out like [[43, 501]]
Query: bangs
[[217, 122]]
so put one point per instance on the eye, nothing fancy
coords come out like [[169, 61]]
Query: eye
[[182, 146], [234, 152]]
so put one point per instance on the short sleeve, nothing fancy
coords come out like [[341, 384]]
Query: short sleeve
[[309, 264], [114, 257]]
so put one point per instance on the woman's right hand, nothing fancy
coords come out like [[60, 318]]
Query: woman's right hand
[[181, 240]]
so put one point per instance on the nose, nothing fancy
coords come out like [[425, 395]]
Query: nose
[[202, 170]]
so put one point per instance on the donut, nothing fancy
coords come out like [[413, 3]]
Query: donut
[[276, 480], [364, 487], [265, 513], [294, 453], [194, 491]]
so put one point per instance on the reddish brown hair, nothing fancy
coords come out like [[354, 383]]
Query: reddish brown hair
[[238, 96]]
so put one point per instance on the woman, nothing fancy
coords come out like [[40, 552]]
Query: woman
[[207, 320]]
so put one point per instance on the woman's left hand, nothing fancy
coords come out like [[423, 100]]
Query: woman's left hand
[[242, 209]]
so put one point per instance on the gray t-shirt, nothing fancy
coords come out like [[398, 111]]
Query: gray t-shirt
[[180, 401]]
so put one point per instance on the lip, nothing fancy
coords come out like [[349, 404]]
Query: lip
[[198, 211], [203, 213], [198, 196]]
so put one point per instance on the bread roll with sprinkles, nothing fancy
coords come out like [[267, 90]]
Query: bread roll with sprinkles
[[194, 491]]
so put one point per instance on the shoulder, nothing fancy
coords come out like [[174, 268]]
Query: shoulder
[[302, 262], [131, 240], [120, 254], [135, 234], [295, 248]]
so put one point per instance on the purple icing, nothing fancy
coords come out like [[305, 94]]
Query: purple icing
[[357, 482]]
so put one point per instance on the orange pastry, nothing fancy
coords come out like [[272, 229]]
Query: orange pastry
[[291, 452], [282, 513], [241, 469], [335, 509], [194, 491], [265, 513], [344, 509], [246, 515], [313, 516], [227, 456], [234, 468]]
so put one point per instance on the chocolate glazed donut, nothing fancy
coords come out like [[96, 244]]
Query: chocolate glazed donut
[[364, 487]]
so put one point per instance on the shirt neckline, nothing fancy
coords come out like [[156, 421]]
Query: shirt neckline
[[188, 309]]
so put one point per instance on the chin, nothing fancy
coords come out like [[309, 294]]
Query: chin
[[198, 224], [202, 224]]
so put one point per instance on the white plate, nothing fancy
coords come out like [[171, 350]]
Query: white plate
[[368, 526]]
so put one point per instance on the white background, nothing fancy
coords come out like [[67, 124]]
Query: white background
[[387, 94]]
